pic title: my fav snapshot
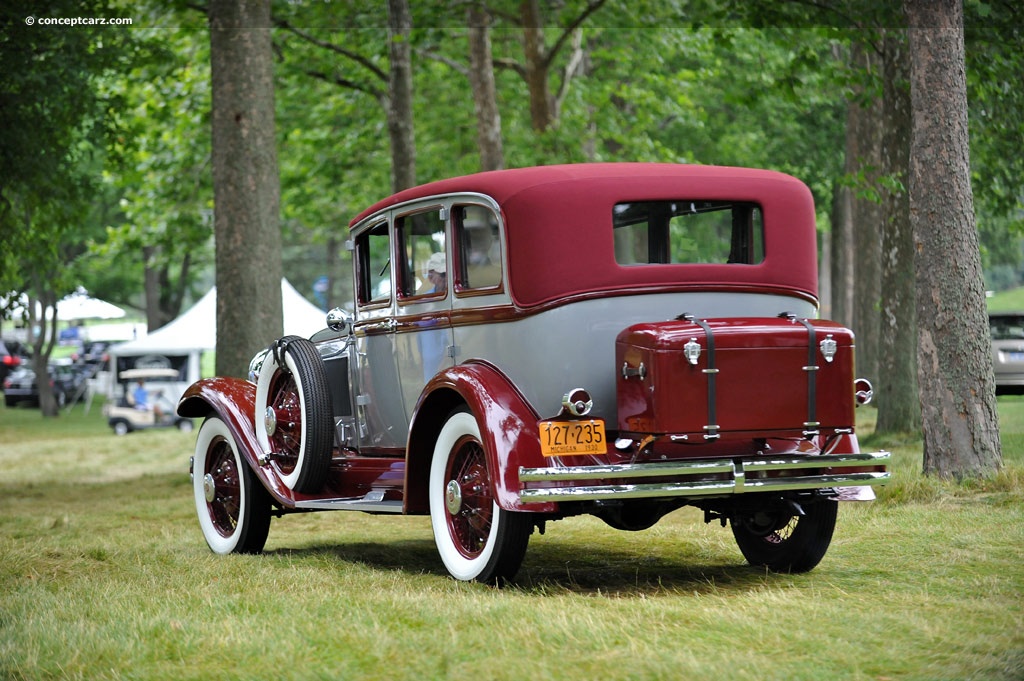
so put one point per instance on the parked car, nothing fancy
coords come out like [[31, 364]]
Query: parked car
[[21, 385], [94, 354], [126, 414], [10, 358], [1007, 329], [620, 340]]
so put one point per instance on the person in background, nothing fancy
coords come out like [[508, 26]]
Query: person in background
[[141, 398]]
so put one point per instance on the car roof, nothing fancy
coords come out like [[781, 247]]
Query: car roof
[[560, 238]]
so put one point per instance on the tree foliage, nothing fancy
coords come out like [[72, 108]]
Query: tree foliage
[[60, 127], [695, 81]]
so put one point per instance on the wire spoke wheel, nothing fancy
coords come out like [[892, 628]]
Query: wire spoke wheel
[[293, 413], [468, 492], [232, 505], [475, 537], [782, 541]]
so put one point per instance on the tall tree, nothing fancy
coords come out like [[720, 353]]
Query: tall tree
[[539, 60], [866, 216], [845, 269], [957, 385], [165, 188], [898, 407], [481, 80], [58, 127], [245, 182], [399, 106]]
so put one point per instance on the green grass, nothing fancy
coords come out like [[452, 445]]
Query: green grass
[[104, 575], [1007, 301]]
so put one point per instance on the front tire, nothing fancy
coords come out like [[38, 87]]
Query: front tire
[[294, 423], [233, 507], [783, 542], [475, 537]]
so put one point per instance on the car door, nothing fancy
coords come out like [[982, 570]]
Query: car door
[[379, 402], [423, 339]]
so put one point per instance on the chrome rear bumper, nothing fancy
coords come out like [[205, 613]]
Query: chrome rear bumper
[[701, 477]]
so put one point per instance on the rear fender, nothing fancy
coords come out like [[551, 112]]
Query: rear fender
[[233, 400], [508, 428]]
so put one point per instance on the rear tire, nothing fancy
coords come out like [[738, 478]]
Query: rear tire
[[783, 542], [232, 505], [475, 537]]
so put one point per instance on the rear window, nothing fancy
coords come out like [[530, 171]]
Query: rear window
[[1006, 327], [688, 231]]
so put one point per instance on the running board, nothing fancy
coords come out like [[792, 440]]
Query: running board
[[373, 502]]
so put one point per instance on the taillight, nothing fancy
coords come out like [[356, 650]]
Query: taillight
[[11, 360]]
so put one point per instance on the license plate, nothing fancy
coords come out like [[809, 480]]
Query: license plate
[[569, 438], [1015, 356]]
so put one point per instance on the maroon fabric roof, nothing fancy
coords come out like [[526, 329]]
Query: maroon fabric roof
[[559, 226]]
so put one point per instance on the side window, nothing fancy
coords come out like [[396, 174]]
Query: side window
[[686, 231], [424, 267], [373, 265], [479, 246]]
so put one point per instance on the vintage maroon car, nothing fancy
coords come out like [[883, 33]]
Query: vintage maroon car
[[527, 345]]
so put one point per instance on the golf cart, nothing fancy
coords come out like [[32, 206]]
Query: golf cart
[[124, 415]]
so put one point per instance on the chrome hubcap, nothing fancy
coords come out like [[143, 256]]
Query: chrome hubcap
[[270, 421], [453, 497], [209, 488]]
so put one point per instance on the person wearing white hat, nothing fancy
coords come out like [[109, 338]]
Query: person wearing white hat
[[432, 341], [437, 273]]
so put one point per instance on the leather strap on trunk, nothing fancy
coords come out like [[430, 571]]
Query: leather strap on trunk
[[711, 429], [811, 425]]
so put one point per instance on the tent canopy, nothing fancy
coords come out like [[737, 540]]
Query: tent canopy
[[74, 306], [180, 343], [196, 328]]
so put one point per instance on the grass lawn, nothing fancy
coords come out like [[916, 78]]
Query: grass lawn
[[1007, 301], [104, 575]]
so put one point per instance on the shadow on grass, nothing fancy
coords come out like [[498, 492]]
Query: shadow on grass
[[551, 569]]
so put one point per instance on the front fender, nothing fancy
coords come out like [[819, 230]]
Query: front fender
[[233, 400], [508, 427]]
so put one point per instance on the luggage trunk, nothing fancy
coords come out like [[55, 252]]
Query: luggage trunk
[[701, 380]]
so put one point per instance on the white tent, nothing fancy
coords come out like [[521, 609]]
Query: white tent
[[77, 305], [180, 343]]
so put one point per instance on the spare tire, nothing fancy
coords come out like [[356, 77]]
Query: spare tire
[[293, 413]]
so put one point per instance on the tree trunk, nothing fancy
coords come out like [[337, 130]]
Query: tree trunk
[[152, 288], [898, 406], [536, 71], [841, 253], [866, 216], [957, 386], [485, 97], [247, 192], [43, 343], [399, 109]]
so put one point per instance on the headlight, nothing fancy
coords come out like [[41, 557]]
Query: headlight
[[256, 364]]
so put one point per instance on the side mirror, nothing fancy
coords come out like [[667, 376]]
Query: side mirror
[[340, 320]]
